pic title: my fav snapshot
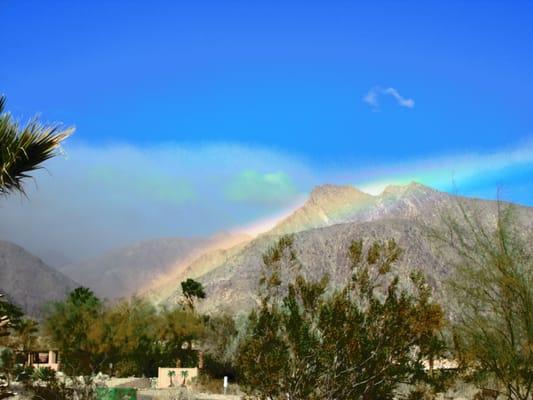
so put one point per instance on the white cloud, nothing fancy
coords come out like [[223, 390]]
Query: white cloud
[[101, 197], [409, 103], [372, 97]]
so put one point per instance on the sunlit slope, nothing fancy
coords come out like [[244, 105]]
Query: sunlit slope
[[200, 262], [132, 269]]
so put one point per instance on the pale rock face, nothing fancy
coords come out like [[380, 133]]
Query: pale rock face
[[327, 205]]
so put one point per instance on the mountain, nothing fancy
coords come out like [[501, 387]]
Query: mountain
[[327, 205], [164, 288], [129, 270], [54, 258], [28, 281], [331, 204], [324, 227]]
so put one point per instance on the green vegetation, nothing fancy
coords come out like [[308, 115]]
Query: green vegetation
[[171, 374], [44, 384], [11, 316], [127, 338], [24, 148], [307, 343], [306, 340], [220, 343], [7, 364], [493, 285], [192, 290]]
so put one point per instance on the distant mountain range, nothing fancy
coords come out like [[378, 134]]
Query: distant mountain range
[[28, 281], [31, 284], [323, 229], [229, 265], [126, 271]]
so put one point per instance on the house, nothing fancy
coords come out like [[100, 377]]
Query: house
[[44, 358]]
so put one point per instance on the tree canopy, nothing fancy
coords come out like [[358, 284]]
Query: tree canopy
[[305, 342], [192, 290], [129, 337]]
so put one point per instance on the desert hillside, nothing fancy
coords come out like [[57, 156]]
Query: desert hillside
[[130, 270], [325, 226], [28, 281]]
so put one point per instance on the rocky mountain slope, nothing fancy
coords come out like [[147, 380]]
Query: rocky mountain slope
[[330, 204], [129, 270], [167, 284], [325, 226], [28, 282]]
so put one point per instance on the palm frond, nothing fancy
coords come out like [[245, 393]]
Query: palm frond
[[24, 149]]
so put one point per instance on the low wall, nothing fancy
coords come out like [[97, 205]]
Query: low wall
[[164, 381]]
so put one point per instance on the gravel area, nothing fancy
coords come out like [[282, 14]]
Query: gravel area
[[180, 394]]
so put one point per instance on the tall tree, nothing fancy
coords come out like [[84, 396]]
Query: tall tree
[[493, 285], [125, 336], [25, 337], [11, 316], [69, 324], [178, 329], [192, 290]]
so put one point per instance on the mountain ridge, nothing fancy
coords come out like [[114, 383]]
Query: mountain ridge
[[398, 212], [129, 270], [28, 281]]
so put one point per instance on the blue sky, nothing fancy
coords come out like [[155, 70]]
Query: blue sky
[[364, 93]]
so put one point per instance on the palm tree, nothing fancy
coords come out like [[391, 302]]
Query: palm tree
[[26, 335], [184, 375], [171, 374], [24, 148]]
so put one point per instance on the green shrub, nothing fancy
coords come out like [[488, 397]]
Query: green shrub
[[126, 368], [358, 342]]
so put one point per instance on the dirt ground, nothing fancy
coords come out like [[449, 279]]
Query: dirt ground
[[176, 394], [145, 392]]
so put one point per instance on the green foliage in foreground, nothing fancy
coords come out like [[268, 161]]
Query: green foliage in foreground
[[10, 316], [353, 343], [44, 384], [24, 149], [128, 338], [493, 285]]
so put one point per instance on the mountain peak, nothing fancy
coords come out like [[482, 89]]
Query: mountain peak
[[328, 192], [326, 205], [412, 187]]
